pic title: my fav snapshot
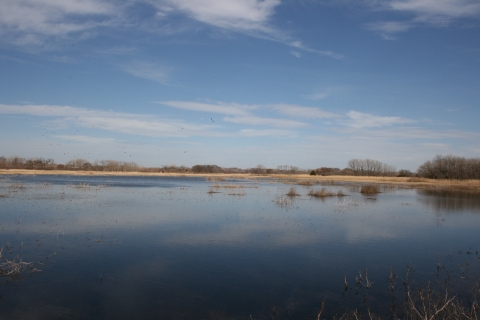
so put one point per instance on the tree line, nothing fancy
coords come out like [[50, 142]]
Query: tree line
[[450, 167], [441, 167], [369, 167]]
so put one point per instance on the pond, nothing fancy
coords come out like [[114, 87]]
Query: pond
[[187, 248]]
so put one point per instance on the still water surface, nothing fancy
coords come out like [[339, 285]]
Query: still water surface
[[166, 248]]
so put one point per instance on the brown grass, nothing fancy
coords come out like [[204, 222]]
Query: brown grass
[[321, 193], [369, 189], [412, 182], [215, 178], [237, 194], [292, 192], [305, 182], [13, 269]]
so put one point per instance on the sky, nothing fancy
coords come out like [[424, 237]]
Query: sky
[[238, 83]]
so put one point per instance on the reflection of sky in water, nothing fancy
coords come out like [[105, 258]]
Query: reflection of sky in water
[[169, 249]]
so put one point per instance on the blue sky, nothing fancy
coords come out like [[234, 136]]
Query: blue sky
[[239, 83]]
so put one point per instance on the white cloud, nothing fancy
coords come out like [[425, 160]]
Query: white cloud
[[220, 108], [438, 13], [250, 17], [328, 53], [149, 125], [86, 139], [303, 112], [29, 21], [147, 70], [436, 8], [264, 133], [253, 120], [296, 54], [236, 15], [365, 120]]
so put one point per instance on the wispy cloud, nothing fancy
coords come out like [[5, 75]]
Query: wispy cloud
[[86, 139], [251, 17], [432, 9], [365, 120], [130, 123], [265, 133], [220, 108], [30, 21], [303, 112], [322, 94], [236, 15], [147, 70], [432, 12], [253, 120], [389, 29]]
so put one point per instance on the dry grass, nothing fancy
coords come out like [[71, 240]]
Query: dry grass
[[13, 269], [215, 178], [86, 186], [369, 189], [305, 182], [321, 193], [237, 194], [292, 192], [232, 186]]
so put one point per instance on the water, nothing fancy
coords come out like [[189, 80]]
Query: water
[[136, 247]]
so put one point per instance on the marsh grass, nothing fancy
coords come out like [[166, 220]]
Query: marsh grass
[[211, 191], [237, 194], [427, 302], [292, 193], [215, 178], [322, 193], [15, 268], [232, 186], [86, 186], [369, 189], [305, 182]]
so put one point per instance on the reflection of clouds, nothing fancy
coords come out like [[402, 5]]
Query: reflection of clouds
[[191, 217]]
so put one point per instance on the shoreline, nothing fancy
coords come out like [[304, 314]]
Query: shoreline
[[465, 185]]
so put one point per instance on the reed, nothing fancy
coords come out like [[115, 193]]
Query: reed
[[369, 189], [292, 192], [322, 193], [13, 269]]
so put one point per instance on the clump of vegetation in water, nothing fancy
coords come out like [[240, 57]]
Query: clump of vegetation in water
[[369, 189], [324, 193], [13, 269], [292, 192], [427, 302]]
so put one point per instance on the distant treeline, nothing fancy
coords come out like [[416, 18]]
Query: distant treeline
[[369, 167], [441, 167], [450, 167]]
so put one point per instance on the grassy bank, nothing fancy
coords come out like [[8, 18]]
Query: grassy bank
[[300, 179]]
